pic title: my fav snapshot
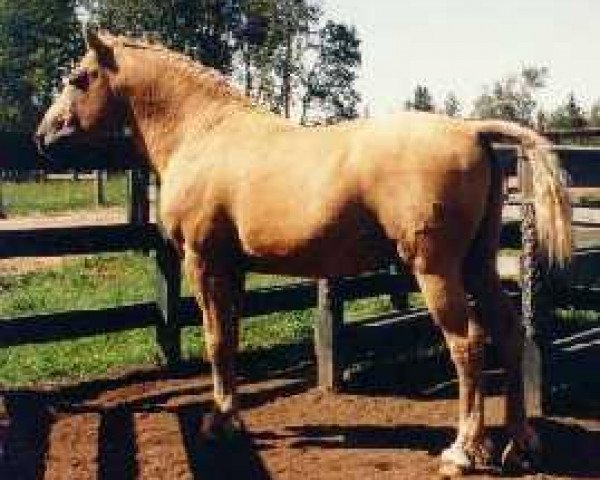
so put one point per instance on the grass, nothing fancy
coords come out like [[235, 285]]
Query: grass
[[108, 280], [52, 196], [111, 279]]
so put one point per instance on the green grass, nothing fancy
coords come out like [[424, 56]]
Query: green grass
[[52, 196], [108, 280]]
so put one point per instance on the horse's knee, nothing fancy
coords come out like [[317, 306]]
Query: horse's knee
[[220, 353]]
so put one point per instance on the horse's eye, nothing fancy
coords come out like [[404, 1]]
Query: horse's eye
[[80, 80]]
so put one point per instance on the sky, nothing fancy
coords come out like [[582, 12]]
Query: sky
[[463, 45]]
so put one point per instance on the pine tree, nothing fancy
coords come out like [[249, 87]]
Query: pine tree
[[568, 115], [421, 101], [451, 105]]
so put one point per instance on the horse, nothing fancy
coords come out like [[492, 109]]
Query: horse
[[243, 188]]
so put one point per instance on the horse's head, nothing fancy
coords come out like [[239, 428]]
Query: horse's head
[[88, 107]]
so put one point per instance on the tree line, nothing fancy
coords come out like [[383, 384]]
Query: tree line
[[283, 53], [513, 98]]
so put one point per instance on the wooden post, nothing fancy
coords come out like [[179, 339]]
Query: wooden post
[[168, 293], [328, 327], [138, 195], [100, 188], [4, 429], [535, 307], [2, 208], [398, 293]]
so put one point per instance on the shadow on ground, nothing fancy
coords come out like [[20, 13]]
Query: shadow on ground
[[571, 449]]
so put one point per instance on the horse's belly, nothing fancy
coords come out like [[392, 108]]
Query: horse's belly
[[343, 249]]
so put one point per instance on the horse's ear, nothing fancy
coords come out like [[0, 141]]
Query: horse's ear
[[104, 52]]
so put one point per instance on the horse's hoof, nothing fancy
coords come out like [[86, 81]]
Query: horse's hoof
[[452, 470], [455, 462], [221, 426], [518, 460], [481, 454]]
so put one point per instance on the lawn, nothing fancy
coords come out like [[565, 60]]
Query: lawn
[[111, 279], [52, 196]]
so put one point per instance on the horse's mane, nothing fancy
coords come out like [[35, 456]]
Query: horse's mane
[[212, 81]]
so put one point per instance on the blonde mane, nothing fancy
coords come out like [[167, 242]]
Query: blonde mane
[[213, 82]]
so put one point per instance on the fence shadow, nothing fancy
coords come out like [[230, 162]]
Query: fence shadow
[[184, 392]]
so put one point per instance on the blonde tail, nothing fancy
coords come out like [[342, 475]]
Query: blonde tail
[[550, 197]]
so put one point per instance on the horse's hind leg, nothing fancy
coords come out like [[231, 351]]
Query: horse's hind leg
[[464, 334], [507, 334], [218, 291]]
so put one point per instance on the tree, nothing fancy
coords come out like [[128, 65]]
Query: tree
[[422, 100], [512, 98], [329, 85], [38, 40], [261, 41], [451, 105], [568, 115], [278, 71], [594, 117], [203, 29]]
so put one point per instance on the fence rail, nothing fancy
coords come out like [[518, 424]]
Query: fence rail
[[169, 313]]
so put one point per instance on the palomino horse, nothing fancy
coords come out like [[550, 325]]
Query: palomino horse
[[243, 188]]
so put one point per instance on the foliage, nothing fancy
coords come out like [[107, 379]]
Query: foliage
[[421, 101], [512, 98], [37, 41], [330, 83], [568, 115], [263, 39], [274, 53], [452, 105], [265, 43], [594, 117], [203, 29]]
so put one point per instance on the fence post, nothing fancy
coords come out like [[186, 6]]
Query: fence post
[[328, 326], [398, 293], [138, 211], [535, 307], [2, 209], [100, 188], [168, 293]]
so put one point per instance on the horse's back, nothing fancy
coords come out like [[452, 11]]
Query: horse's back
[[334, 199]]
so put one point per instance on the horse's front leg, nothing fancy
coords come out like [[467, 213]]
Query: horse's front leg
[[218, 291], [447, 303]]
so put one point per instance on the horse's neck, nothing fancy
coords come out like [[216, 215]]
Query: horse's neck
[[166, 107]]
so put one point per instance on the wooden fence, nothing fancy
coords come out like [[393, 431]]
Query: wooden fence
[[334, 339]]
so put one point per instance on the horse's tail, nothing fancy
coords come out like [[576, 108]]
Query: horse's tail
[[550, 198]]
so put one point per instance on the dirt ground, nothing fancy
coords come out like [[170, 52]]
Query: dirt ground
[[18, 266], [145, 425]]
